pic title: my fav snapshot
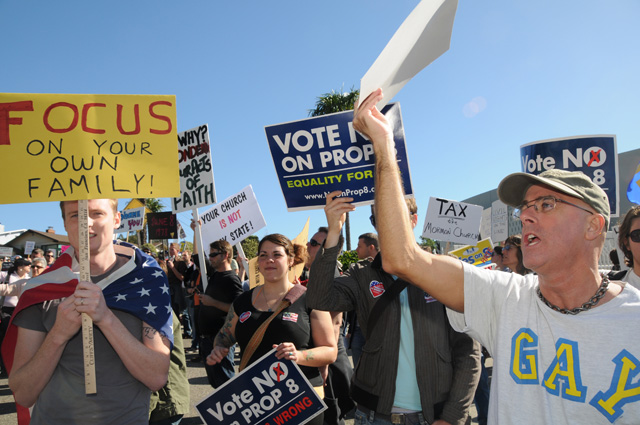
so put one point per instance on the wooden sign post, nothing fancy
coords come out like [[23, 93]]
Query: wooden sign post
[[88, 352]]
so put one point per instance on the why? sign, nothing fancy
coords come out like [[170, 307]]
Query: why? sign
[[197, 188]]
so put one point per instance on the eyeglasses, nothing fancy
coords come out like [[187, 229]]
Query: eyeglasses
[[37, 267], [49, 255], [544, 204], [635, 236], [507, 248], [214, 254], [314, 242]]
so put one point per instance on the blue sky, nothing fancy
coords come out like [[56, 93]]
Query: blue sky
[[516, 72]]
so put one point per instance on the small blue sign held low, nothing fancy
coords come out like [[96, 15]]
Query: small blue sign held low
[[269, 392]]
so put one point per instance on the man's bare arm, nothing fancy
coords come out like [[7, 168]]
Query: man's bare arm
[[147, 361], [439, 275], [37, 353], [211, 302], [226, 337]]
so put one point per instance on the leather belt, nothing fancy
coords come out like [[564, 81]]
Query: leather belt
[[394, 418]]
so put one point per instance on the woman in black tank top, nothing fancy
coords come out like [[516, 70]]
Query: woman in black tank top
[[300, 334]]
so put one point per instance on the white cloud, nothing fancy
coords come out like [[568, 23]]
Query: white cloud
[[474, 107]]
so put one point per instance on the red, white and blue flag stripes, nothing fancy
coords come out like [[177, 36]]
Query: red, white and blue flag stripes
[[139, 287]]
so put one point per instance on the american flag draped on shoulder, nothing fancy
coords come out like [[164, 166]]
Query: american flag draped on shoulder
[[140, 288]]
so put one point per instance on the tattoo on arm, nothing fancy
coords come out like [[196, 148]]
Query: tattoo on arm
[[308, 355], [149, 332], [225, 337]]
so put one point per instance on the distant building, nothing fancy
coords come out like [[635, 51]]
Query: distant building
[[17, 240]]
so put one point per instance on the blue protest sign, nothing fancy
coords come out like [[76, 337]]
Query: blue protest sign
[[268, 392], [633, 190], [318, 155], [595, 156]]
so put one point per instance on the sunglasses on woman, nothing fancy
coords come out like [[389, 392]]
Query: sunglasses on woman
[[635, 236]]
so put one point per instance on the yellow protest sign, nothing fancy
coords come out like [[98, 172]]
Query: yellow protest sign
[[301, 239], [477, 255], [73, 146], [137, 203], [256, 278]]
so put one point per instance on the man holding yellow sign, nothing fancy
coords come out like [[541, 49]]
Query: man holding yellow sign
[[68, 147], [127, 301]]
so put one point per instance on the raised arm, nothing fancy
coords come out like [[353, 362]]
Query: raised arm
[[438, 275]]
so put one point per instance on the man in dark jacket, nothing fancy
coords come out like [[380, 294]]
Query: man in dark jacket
[[414, 367]]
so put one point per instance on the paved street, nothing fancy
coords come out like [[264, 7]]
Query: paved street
[[200, 389]]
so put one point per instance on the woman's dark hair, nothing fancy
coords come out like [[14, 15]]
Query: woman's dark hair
[[625, 229], [278, 239], [516, 240]]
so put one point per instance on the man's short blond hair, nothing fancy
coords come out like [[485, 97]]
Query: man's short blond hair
[[114, 205]]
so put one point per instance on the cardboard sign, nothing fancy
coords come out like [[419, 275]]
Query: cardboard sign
[[485, 223], [131, 220], [162, 225], [69, 146], [197, 188], [315, 156], [6, 251], [421, 39], [452, 221], [499, 221], [29, 247], [478, 255], [268, 392], [595, 156], [233, 219]]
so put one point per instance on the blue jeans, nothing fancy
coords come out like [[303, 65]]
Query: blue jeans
[[363, 418], [357, 342]]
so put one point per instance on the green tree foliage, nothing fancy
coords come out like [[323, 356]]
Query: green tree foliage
[[335, 101], [347, 258], [250, 246], [425, 242], [154, 204]]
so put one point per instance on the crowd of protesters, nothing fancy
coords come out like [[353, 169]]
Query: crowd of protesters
[[418, 388]]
